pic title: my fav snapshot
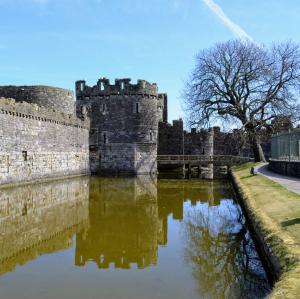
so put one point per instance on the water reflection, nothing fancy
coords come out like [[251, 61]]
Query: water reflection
[[218, 245], [222, 254], [126, 223], [40, 219]]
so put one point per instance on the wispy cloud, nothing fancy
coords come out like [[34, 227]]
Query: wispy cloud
[[235, 28]]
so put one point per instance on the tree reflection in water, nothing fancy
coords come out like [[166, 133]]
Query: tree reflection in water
[[221, 253], [130, 229]]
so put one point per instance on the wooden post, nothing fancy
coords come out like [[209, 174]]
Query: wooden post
[[199, 171]]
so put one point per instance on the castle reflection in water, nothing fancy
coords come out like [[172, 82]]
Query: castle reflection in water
[[117, 221], [40, 219]]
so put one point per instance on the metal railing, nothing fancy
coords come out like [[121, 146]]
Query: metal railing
[[286, 146]]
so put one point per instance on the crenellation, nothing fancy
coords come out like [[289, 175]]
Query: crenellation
[[113, 128], [35, 112], [124, 124], [121, 87], [45, 96]]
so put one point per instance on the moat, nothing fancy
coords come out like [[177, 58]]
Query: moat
[[127, 238]]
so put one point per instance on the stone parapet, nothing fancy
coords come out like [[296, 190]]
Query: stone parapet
[[121, 86], [32, 111], [46, 96]]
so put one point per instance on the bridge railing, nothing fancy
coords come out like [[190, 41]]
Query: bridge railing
[[203, 158]]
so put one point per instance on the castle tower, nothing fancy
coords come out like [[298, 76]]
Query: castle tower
[[124, 125], [209, 142], [209, 151]]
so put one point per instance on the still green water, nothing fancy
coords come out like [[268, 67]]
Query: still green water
[[129, 238]]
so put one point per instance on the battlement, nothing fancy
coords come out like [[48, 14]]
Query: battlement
[[121, 86], [55, 98], [43, 114]]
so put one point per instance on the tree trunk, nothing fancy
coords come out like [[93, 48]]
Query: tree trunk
[[257, 149]]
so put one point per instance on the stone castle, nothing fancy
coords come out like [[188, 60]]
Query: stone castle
[[40, 135], [124, 124], [110, 129]]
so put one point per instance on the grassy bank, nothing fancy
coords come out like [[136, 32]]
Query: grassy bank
[[274, 213]]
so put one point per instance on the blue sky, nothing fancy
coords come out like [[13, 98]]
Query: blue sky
[[56, 42]]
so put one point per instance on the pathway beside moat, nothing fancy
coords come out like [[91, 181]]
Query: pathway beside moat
[[291, 183], [274, 212]]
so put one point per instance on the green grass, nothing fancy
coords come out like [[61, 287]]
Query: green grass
[[275, 212]]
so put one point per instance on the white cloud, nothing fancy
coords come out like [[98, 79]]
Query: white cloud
[[236, 29]]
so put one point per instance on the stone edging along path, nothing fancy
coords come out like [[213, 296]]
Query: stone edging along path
[[271, 210]]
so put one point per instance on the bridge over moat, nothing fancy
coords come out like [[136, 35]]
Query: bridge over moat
[[195, 160], [205, 165]]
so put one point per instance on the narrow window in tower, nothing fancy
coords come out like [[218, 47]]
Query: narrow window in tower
[[101, 86], [151, 136], [104, 138], [122, 85], [24, 154], [82, 109], [103, 108], [137, 108], [81, 86]]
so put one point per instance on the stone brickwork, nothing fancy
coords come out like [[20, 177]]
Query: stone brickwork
[[124, 124], [55, 98], [41, 218], [37, 143], [170, 140], [174, 140]]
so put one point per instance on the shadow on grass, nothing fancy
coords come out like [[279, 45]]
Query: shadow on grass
[[247, 176], [290, 222]]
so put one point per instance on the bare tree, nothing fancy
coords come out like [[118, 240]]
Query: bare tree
[[245, 84]]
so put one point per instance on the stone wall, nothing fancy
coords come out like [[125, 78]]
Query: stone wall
[[226, 143], [55, 98], [170, 141], [40, 219], [196, 142], [163, 99], [38, 143], [285, 167], [123, 115], [145, 158]]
